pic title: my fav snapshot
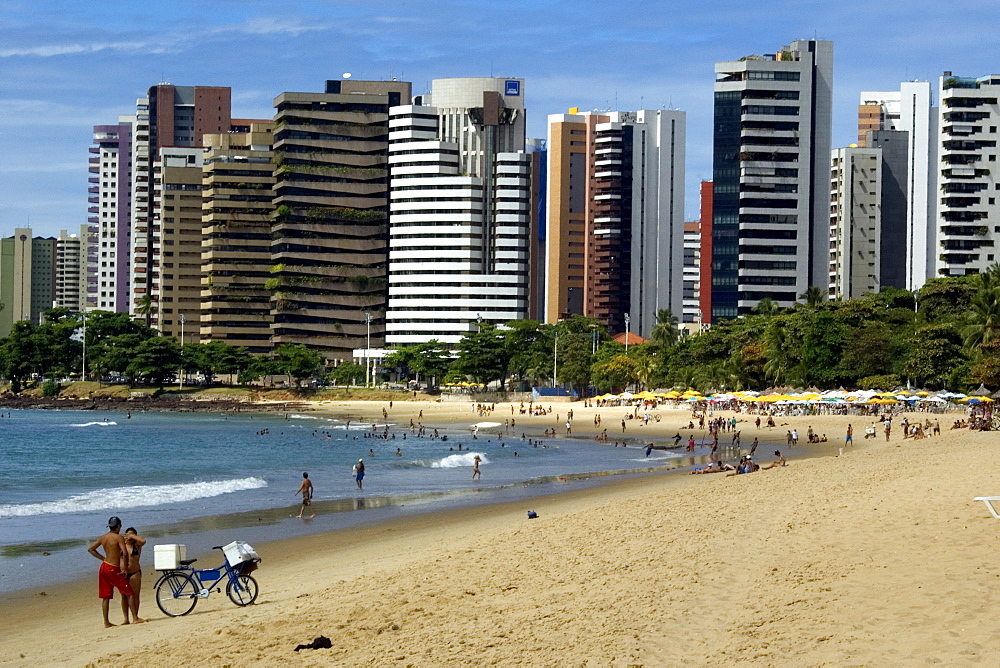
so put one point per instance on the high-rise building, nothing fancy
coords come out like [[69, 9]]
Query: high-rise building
[[615, 216], [27, 278], [705, 254], [692, 262], [855, 222], [460, 217], [330, 231], [110, 197], [177, 203], [168, 117], [909, 110], [968, 216], [238, 177], [538, 152], [771, 178], [70, 271]]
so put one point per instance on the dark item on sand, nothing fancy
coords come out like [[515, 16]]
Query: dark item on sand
[[322, 642], [532, 514]]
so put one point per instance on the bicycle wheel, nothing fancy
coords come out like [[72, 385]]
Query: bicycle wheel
[[176, 595], [243, 591]]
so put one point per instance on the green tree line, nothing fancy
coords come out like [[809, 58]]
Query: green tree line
[[118, 346], [946, 335]]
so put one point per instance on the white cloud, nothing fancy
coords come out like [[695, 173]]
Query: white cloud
[[171, 41], [272, 25], [48, 50]]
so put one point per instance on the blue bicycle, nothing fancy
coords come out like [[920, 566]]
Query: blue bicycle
[[178, 590]]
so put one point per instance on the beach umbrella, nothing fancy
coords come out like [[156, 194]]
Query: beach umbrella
[[923, 394]]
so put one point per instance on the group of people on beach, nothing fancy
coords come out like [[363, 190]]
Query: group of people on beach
[[120, 569]]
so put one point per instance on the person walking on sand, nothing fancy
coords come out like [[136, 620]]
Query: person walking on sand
[[850, 435], [476, 473], [306, 490], [133, 571], [111, 575], [359, 472]]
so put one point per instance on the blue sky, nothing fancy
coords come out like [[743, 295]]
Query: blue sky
[[66, 66]]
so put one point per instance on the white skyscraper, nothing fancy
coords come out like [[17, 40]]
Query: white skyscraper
[[855, 222], [110, 197], [968, 216], [910, 110], [459, 211]]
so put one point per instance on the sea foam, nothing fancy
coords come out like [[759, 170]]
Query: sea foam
[[110, 423], [131, 497], [457, 461]]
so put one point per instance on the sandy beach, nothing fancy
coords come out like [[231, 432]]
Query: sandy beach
[[876, 557]]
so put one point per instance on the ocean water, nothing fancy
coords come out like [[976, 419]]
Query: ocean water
[[63, 473]]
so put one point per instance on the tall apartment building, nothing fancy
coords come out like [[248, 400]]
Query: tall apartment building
[[692, 278], [705, 193], [330, 231], [460, 211], [615, 216], [168, 117], [238, 178], [771, 177], [855, 221], [538, 151], [27, 278], [177, 203], [70, 269], [110, 198], [909, 110], [968, 216]]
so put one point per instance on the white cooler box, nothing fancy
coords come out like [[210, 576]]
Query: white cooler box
[[237, 552], [168, 557]]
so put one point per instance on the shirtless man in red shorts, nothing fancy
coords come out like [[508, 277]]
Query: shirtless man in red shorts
[[114, 563]]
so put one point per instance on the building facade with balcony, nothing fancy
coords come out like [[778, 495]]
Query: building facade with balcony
[[330, 228], [909, 110], [855, 222], [177, 205], [967, 215], [70, 270], [615, 216], [168, 117], [109, 195], [770, 231], [460, 223], [237, 181]]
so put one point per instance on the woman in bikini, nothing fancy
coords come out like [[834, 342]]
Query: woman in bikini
[[133, 546]]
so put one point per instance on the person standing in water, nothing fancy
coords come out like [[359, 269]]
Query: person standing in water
[[306, 490], [476, 473], [359, 472], [133, 570]]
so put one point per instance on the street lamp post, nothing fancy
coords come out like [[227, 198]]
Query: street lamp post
[[183, 320], [368, 346], [479, 322], [83, 369], [628, 319], [555, 358]]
